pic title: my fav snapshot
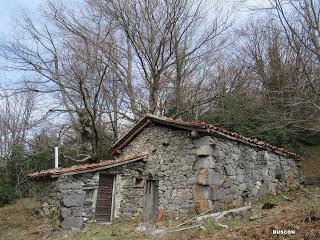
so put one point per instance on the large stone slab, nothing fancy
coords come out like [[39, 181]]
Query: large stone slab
[[75, 184], [71, 199], [65, 212], [69, 222], [205, 150], [204, 162], [215, 192], [207, 176], [206, 140]]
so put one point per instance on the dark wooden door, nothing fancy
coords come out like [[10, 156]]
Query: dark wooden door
[[104, 198], [150, 200]]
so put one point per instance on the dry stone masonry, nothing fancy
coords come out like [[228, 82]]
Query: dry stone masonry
[[194, 172], [72, 198], [209, 171]]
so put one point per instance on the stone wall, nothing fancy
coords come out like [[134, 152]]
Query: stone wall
[[77, 196], [69, 198], [232, 173], [170, 160], [210, 171], [44, 192], [128, 194], [72, 198], [192, 174]]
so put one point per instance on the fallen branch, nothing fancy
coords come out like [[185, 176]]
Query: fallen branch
[[287, 198], [189, 220], [306, 190], [252, 218], [217, 216], [222, 225], [188, 228]]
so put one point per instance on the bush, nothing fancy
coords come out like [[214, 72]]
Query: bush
[[13, 174]]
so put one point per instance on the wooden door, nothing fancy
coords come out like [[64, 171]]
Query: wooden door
[[150, 200], [104, 198]]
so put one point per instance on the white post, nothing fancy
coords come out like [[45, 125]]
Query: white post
[[56, 157]]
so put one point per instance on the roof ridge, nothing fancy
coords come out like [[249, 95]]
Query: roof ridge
[[198, 125]]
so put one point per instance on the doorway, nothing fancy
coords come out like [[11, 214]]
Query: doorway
[[104, 201], [150, 200]]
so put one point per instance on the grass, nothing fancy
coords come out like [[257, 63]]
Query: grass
[[18, 222]]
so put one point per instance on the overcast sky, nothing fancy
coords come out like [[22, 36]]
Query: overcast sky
[[12, 8]]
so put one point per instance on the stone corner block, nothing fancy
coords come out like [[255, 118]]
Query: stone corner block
[[208, 177], [69, 222], [205, 162], [205, 150], [202, 205], [215, 192], [73, 199], [206, 140]]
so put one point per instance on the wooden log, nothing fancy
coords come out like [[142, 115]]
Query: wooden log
[[255, 217], [187, 228], [222, 225], [189, 220], [217, 216], [307, 191]]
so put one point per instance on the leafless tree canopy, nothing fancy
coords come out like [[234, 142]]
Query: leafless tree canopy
[[95, 67]]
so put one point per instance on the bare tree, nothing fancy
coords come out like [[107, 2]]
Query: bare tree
[[164, 35], [300, 20], [277, 77], [15, 121], [65, 51]]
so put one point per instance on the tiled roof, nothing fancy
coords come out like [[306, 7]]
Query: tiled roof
[[89, 167], [198, 126]]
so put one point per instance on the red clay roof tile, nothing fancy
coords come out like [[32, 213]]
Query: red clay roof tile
[[90, 166], [196, 125]]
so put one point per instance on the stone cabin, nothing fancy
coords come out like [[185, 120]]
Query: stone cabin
[[165, 165]]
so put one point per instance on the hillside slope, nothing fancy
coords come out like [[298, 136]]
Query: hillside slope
[[296, 211]]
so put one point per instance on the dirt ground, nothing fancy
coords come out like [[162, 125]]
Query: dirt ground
[[296, 211]]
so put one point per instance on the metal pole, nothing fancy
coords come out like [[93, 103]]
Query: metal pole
[[56, 157]]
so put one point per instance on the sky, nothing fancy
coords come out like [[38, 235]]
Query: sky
[[9, 9]]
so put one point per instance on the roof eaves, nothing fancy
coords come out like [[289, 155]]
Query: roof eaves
[[77, 169], [97, 169]]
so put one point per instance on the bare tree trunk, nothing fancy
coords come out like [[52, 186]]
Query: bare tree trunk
[[129, 85]]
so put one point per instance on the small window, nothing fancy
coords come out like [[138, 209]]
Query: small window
[[138, 183], [89, 195]]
